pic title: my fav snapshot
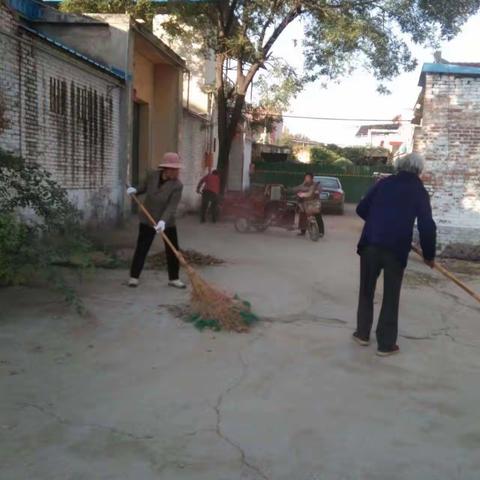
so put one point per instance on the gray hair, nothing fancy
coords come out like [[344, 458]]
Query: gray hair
[[412, 162]]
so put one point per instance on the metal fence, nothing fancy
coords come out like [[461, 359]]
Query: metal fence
[[356, 180]]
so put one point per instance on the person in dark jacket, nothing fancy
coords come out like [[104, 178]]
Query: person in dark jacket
[[390, 209], [209, 187], [164, 191]]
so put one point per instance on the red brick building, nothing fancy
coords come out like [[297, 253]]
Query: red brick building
[[448, 135]]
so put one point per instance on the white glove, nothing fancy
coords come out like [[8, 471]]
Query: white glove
[[160, 226], [131, 191]]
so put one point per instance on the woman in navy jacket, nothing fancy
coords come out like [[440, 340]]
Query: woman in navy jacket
[[390, 209]]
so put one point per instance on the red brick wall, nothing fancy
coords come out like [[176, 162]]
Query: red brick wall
[[449, 138]]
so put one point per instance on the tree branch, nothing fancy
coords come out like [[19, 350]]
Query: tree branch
[[231, 16], [290, 17]]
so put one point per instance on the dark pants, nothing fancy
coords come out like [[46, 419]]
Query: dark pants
[[372, 261], [209, 199], [146, 234]]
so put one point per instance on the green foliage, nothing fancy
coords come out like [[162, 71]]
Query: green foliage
[[343, 163], [143, 9], [291, 139], [357, 155], [323, 155], [39, 227]]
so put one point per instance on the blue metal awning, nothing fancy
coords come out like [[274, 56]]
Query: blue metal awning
[[447, 69]]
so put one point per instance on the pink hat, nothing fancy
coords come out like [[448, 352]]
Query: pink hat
[[171, 160]]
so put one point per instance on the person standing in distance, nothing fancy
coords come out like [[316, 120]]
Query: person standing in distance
[[210, 194], [163, 193]]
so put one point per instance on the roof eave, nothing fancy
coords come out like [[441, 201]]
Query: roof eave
[[162, 47], [106, 70]]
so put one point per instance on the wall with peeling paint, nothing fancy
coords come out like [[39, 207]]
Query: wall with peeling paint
[[154, 81], [65, 116], [192, 149]]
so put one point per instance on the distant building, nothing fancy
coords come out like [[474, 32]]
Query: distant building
[[448, 134], [396, 136], [266, 152], [302, 149]]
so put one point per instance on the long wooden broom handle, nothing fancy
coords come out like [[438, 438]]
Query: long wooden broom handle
[[450, 276], [180, 257]]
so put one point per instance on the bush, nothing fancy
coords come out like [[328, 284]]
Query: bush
[[323, 155], [39, 227], [343, 163]]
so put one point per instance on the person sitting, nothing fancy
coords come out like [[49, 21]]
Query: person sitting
[[309, 194]]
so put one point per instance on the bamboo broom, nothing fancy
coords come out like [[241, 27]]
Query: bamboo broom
[[450, 276], [209, 307]]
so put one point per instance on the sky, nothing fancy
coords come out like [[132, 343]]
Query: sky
[[356, 96]]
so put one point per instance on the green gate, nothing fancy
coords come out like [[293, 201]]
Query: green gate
[[355, 180]]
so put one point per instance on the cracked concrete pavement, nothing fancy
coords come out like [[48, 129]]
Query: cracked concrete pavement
[[132, 392]]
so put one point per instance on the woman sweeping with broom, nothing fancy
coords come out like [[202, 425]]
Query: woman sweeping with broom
[[164, 191], [210, 307]]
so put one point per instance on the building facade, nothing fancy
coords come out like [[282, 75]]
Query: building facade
[[448, 135], [63, 112], [130, 104]]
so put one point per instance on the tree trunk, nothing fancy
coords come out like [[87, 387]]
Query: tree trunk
[[223, 149]]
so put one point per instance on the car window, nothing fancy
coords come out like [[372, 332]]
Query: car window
[[328, 182]]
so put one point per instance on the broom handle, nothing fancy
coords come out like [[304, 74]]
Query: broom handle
[[450, 276], [180, 257]]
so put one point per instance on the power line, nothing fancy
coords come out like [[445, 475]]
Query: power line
[[339, 119]]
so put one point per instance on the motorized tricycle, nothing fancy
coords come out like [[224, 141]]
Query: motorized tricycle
[[270, 206]]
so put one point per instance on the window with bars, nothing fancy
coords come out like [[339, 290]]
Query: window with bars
[[58, 96]]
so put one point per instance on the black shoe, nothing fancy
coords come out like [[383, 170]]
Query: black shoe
[[302, 233], [363, 342], [388, 353]]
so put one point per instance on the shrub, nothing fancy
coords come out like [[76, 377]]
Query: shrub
[[323, 155], [343, 163], [39, 227]]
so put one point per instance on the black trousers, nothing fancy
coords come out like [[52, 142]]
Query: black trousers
[[209, 199], [372, 261], [146, 234]]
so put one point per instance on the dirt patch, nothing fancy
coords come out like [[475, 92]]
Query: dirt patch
[[417, 279], [159, 260], [462, 252], [462, 267]]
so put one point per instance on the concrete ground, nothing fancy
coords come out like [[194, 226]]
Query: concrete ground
[[132, 393]]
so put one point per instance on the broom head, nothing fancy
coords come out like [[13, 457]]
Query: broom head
[[215, 309]]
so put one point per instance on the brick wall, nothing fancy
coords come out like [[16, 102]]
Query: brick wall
[[64, 114], [449, 138]]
